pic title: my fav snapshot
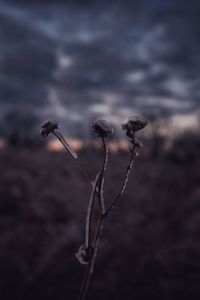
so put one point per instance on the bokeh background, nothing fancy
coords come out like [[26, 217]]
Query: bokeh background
[[74, 62]]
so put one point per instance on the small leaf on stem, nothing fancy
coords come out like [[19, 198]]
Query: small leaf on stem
[[83, 255]]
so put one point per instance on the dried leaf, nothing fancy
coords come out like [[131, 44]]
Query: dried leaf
[[83, 255]]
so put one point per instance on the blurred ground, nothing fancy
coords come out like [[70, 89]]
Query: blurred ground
[[151, 243]]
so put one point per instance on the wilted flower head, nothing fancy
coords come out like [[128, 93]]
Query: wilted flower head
[[101, 128], [134, 124], [48, 127]]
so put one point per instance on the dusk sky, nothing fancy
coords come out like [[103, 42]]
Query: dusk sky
[[76, 63]]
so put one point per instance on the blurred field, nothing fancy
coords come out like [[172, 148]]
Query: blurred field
[[151, 243]]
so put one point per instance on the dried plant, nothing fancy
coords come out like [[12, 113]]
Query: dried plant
[[87, 253]]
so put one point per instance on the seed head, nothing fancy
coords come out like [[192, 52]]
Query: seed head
[[101, 128], [134, 124], [48, 127]]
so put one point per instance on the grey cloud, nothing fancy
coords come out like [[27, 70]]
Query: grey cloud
[[95, 63]]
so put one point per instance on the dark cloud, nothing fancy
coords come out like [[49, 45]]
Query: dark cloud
[[100, 62]]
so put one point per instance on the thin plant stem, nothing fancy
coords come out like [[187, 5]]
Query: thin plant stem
[[124, 183], [101, 178], [89, 213], [73, 154], [94, 246], [92, 259]]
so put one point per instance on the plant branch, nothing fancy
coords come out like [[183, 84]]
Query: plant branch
[[124, 183], [73, 154], [93, 248], [89, 213], [101, 178], [92, 259]]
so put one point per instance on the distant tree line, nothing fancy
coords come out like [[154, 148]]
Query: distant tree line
[[20, 128]]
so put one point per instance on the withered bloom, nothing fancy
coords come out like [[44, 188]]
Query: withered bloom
[[134, 124], [48, 127], [101, 128]]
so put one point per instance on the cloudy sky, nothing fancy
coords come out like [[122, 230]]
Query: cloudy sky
[[75, 63]]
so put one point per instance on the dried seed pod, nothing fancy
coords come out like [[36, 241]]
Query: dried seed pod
[[134, 124], [83, 255], [137, 123], [101, 128], [48, 127]]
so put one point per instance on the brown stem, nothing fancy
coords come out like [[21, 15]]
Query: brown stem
[[93, 248], [73, 154], [124, 183], [101, 178], [92, 259], [89, 213]]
